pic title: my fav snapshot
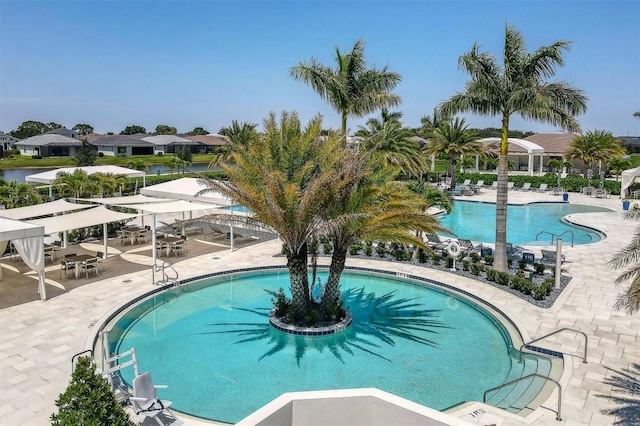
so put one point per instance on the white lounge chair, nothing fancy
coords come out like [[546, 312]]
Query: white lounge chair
[[466, 182], [543, 188], [510, 185], [526, 187], [145, 401], [479, 185], [494, 185]]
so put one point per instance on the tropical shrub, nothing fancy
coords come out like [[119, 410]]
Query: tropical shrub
[[540, 268], [88, 400]]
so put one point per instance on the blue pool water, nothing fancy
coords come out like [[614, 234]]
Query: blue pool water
[[211, 344], [238, 208], [477, 222]]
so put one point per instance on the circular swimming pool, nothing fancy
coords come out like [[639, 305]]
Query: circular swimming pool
[[211, 343], [525, 223]]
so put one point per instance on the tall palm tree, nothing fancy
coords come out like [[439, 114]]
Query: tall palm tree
[[594, 147], [629, 256], [519, 86], [289, 179], [351, 88], [237, 135], [454, 141], [431, 123]]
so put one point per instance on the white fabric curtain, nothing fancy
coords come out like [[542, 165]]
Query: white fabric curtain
[[3, 247], [32, 252]]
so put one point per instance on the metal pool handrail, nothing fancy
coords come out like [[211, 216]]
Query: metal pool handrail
[[558, 413], [556, 235], [586, 341]]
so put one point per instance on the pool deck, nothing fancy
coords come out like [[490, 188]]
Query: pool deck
[[38, 339]]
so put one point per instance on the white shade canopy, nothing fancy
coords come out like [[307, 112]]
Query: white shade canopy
[[185, 189], [127, 199], [90, 217], [628, 177], [44, 209], [49, 176], [170, 207]]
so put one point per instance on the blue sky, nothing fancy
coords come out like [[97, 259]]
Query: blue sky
[[205, 63]]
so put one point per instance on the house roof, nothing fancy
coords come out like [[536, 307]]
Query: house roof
[[49, 139], [210, 139], [64, 132], [120, 140], [553, 143], [167, 140]]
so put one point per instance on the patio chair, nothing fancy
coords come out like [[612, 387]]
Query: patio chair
[[525, 186], [468, 248], [512, 251], [543, 188], [213, 232], [178, 247], [66, 267], [466, 182], [494, 185], [435, 243], [145, 401], [479, 185], [101, 259], [120, 236], [90, 265], [510, 185], [49, 254], [549, 257]]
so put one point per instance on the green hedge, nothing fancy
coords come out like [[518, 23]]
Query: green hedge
[[572, 183]]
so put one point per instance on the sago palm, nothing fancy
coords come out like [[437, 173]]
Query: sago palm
[[351, 88], [518, 86]]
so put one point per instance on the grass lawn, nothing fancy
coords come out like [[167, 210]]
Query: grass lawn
[[20, 161]]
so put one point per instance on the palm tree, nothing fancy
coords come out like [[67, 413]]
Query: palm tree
[[13, 194], [594, 147], [289, 179], [76, 184], [392, 144], [352, 89], [454, 141], [519, 86], [617, 165], [376, 208], [629, 256], [237, 135], [431, 123]]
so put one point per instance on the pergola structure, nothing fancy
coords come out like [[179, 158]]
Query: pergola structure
[[531, 149]]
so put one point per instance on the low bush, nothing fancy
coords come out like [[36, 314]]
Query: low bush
[[37, 157]]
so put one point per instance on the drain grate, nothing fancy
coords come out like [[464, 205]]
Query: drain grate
[[215, 258], [126, 281]]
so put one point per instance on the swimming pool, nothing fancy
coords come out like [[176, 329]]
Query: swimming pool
[[212, 344], [477, 222], [237, 209]]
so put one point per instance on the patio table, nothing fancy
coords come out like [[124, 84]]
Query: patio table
[[79, 259], [168, 241]]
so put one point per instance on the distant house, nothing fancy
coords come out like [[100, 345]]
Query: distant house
[[168, 144], [122, 146], [63, 131], [49, 145], [632, 143], [208, 143], [7, 141]]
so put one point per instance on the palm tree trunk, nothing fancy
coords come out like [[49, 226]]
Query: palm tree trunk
[[452, 172], [500, 260], [299, 280], [331, 291]]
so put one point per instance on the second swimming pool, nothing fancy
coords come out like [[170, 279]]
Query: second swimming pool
[[477, 222]]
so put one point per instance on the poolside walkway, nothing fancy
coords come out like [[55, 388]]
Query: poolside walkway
[[38, 339]]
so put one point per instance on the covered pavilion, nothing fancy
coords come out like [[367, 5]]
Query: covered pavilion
[[50, 176], [531, 150]]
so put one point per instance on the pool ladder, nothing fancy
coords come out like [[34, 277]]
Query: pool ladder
[[166, 279], [556, 236]]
